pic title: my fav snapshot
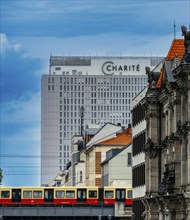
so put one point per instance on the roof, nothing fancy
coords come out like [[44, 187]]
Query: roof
[[113, 153], [106, 132], [178, 48], [121, 139]]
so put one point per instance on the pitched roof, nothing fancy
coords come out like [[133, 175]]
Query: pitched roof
[[108, 131], [121, 139], [178, 48]]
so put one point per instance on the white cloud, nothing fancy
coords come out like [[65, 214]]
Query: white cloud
[[6, 45]]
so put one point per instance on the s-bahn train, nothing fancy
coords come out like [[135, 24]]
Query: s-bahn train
[[14, 196]]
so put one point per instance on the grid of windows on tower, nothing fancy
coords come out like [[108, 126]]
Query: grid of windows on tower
[[105, 99]]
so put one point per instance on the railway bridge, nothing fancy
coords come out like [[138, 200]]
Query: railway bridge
[[74, 212]]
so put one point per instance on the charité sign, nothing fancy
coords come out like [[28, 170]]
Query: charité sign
[[109, 68]]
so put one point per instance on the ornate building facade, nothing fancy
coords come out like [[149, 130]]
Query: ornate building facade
[[167, 147]]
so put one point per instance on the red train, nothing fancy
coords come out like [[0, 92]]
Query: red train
[[10, 196]]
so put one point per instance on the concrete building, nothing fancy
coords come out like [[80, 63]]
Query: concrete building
[[117, 167], [167, 148], [102, 87]]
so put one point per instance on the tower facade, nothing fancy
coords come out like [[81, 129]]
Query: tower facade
[[102, 87]]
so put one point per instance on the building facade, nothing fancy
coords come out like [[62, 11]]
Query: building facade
[[97, 150], [167, 148], [80, 91], [138, 170], [117, 167]]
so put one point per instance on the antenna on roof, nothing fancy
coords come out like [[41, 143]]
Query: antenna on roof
[[174, 30]]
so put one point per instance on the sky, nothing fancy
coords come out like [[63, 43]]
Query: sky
[[32, 30]]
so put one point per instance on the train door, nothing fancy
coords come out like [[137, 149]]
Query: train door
[[120, 195], [101, 194], [81, 195], [48, 195], [16, 195]]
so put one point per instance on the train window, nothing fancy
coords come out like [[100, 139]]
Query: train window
[[129, 194], [70, 194], [60, 194], [27, 194], [37, 194], [109, 194], [5, 194], [92, 194]]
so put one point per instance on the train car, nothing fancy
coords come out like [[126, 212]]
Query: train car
[[5, 196], [117, 194], [64, 195], [73, 195], [29, 195], [21, 195], [48, 195]]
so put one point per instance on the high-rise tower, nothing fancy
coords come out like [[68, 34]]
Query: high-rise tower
[[102, 86]]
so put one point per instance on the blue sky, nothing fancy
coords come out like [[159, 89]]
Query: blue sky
[[31, 30]]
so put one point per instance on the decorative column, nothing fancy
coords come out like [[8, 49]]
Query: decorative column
[[151, 154]]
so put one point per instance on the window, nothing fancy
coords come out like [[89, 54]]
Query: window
[[109, 194], [80, 176], [5, 194], [74, 72], [60, 194], [92, 194], [70, 194], [58, 183], [129, 193], [129, 159], [57, 68], [139, 175], [37, 194], [27, 194]]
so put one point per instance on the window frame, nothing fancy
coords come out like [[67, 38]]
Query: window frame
[[63, 191], [7, 191], [109, 191], [70, 191], [28, 191], [94, 191], [37, 191]]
